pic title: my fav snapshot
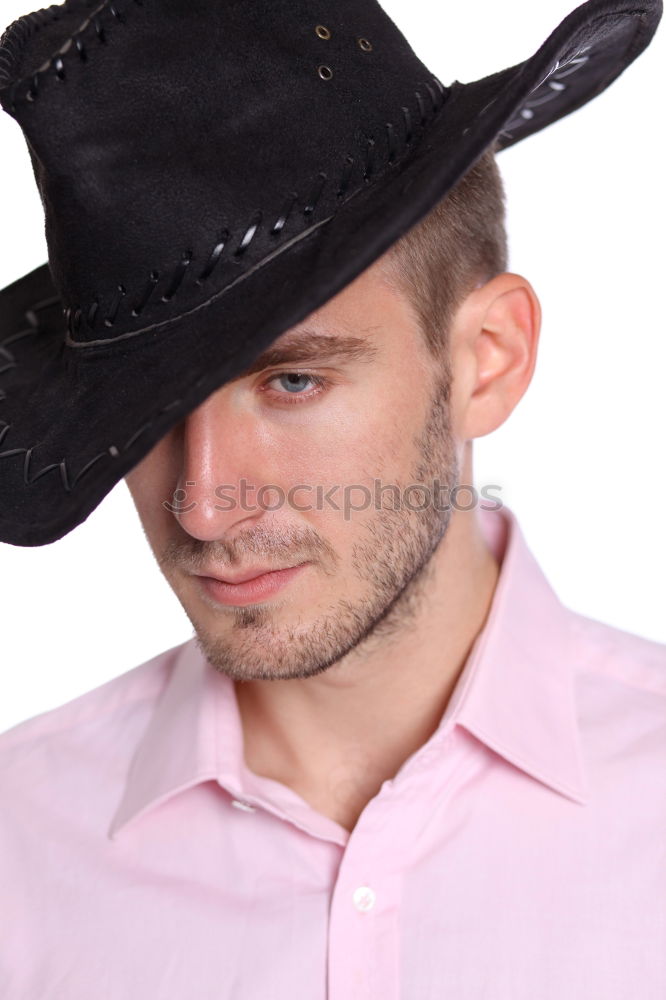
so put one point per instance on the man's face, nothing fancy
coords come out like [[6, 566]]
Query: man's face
[[378, 421]]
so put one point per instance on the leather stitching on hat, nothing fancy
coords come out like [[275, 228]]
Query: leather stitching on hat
[[55, 62], [549, 88], [68, 482]]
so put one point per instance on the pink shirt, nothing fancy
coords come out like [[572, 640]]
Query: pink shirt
[[520, 854]]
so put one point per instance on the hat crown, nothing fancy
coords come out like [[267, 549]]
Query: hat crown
[[175, 143]]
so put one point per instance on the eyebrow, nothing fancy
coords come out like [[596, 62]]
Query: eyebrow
[[308, 346]]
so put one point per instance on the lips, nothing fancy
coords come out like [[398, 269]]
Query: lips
[[250, 574], [255, 590]]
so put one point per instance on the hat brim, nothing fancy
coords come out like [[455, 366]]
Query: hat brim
[[73, 422]]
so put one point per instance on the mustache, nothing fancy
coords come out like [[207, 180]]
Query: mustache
[[270, 543]]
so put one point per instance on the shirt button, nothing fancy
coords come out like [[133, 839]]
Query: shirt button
[[242, 805], [364, 898]]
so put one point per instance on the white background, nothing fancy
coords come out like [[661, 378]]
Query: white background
[[581, 460]]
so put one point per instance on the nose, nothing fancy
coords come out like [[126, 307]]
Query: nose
[[221, 468]]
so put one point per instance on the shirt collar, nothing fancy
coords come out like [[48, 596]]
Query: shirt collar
[[515, 694]]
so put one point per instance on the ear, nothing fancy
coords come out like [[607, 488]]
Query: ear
[[494, 340]]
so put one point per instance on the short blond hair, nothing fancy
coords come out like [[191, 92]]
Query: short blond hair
[[461, 242]]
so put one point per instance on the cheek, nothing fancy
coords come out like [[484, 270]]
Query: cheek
[[340, 444], [392, 430], [354, 448]]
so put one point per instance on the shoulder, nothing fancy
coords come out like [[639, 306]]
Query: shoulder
[[605, 652], [620, 691], [62, 774], [98, 716]]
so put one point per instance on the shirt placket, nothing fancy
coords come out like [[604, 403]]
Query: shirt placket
[[365, 916]]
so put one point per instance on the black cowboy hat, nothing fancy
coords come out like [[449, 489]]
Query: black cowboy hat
[[212, 173]]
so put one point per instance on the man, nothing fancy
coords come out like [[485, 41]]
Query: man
[[390, 763], [378, 605]]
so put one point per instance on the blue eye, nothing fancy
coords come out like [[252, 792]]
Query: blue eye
[[293, 383]]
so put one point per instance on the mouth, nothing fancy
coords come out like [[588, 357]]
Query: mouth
[[249, 587], [249, 574]]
